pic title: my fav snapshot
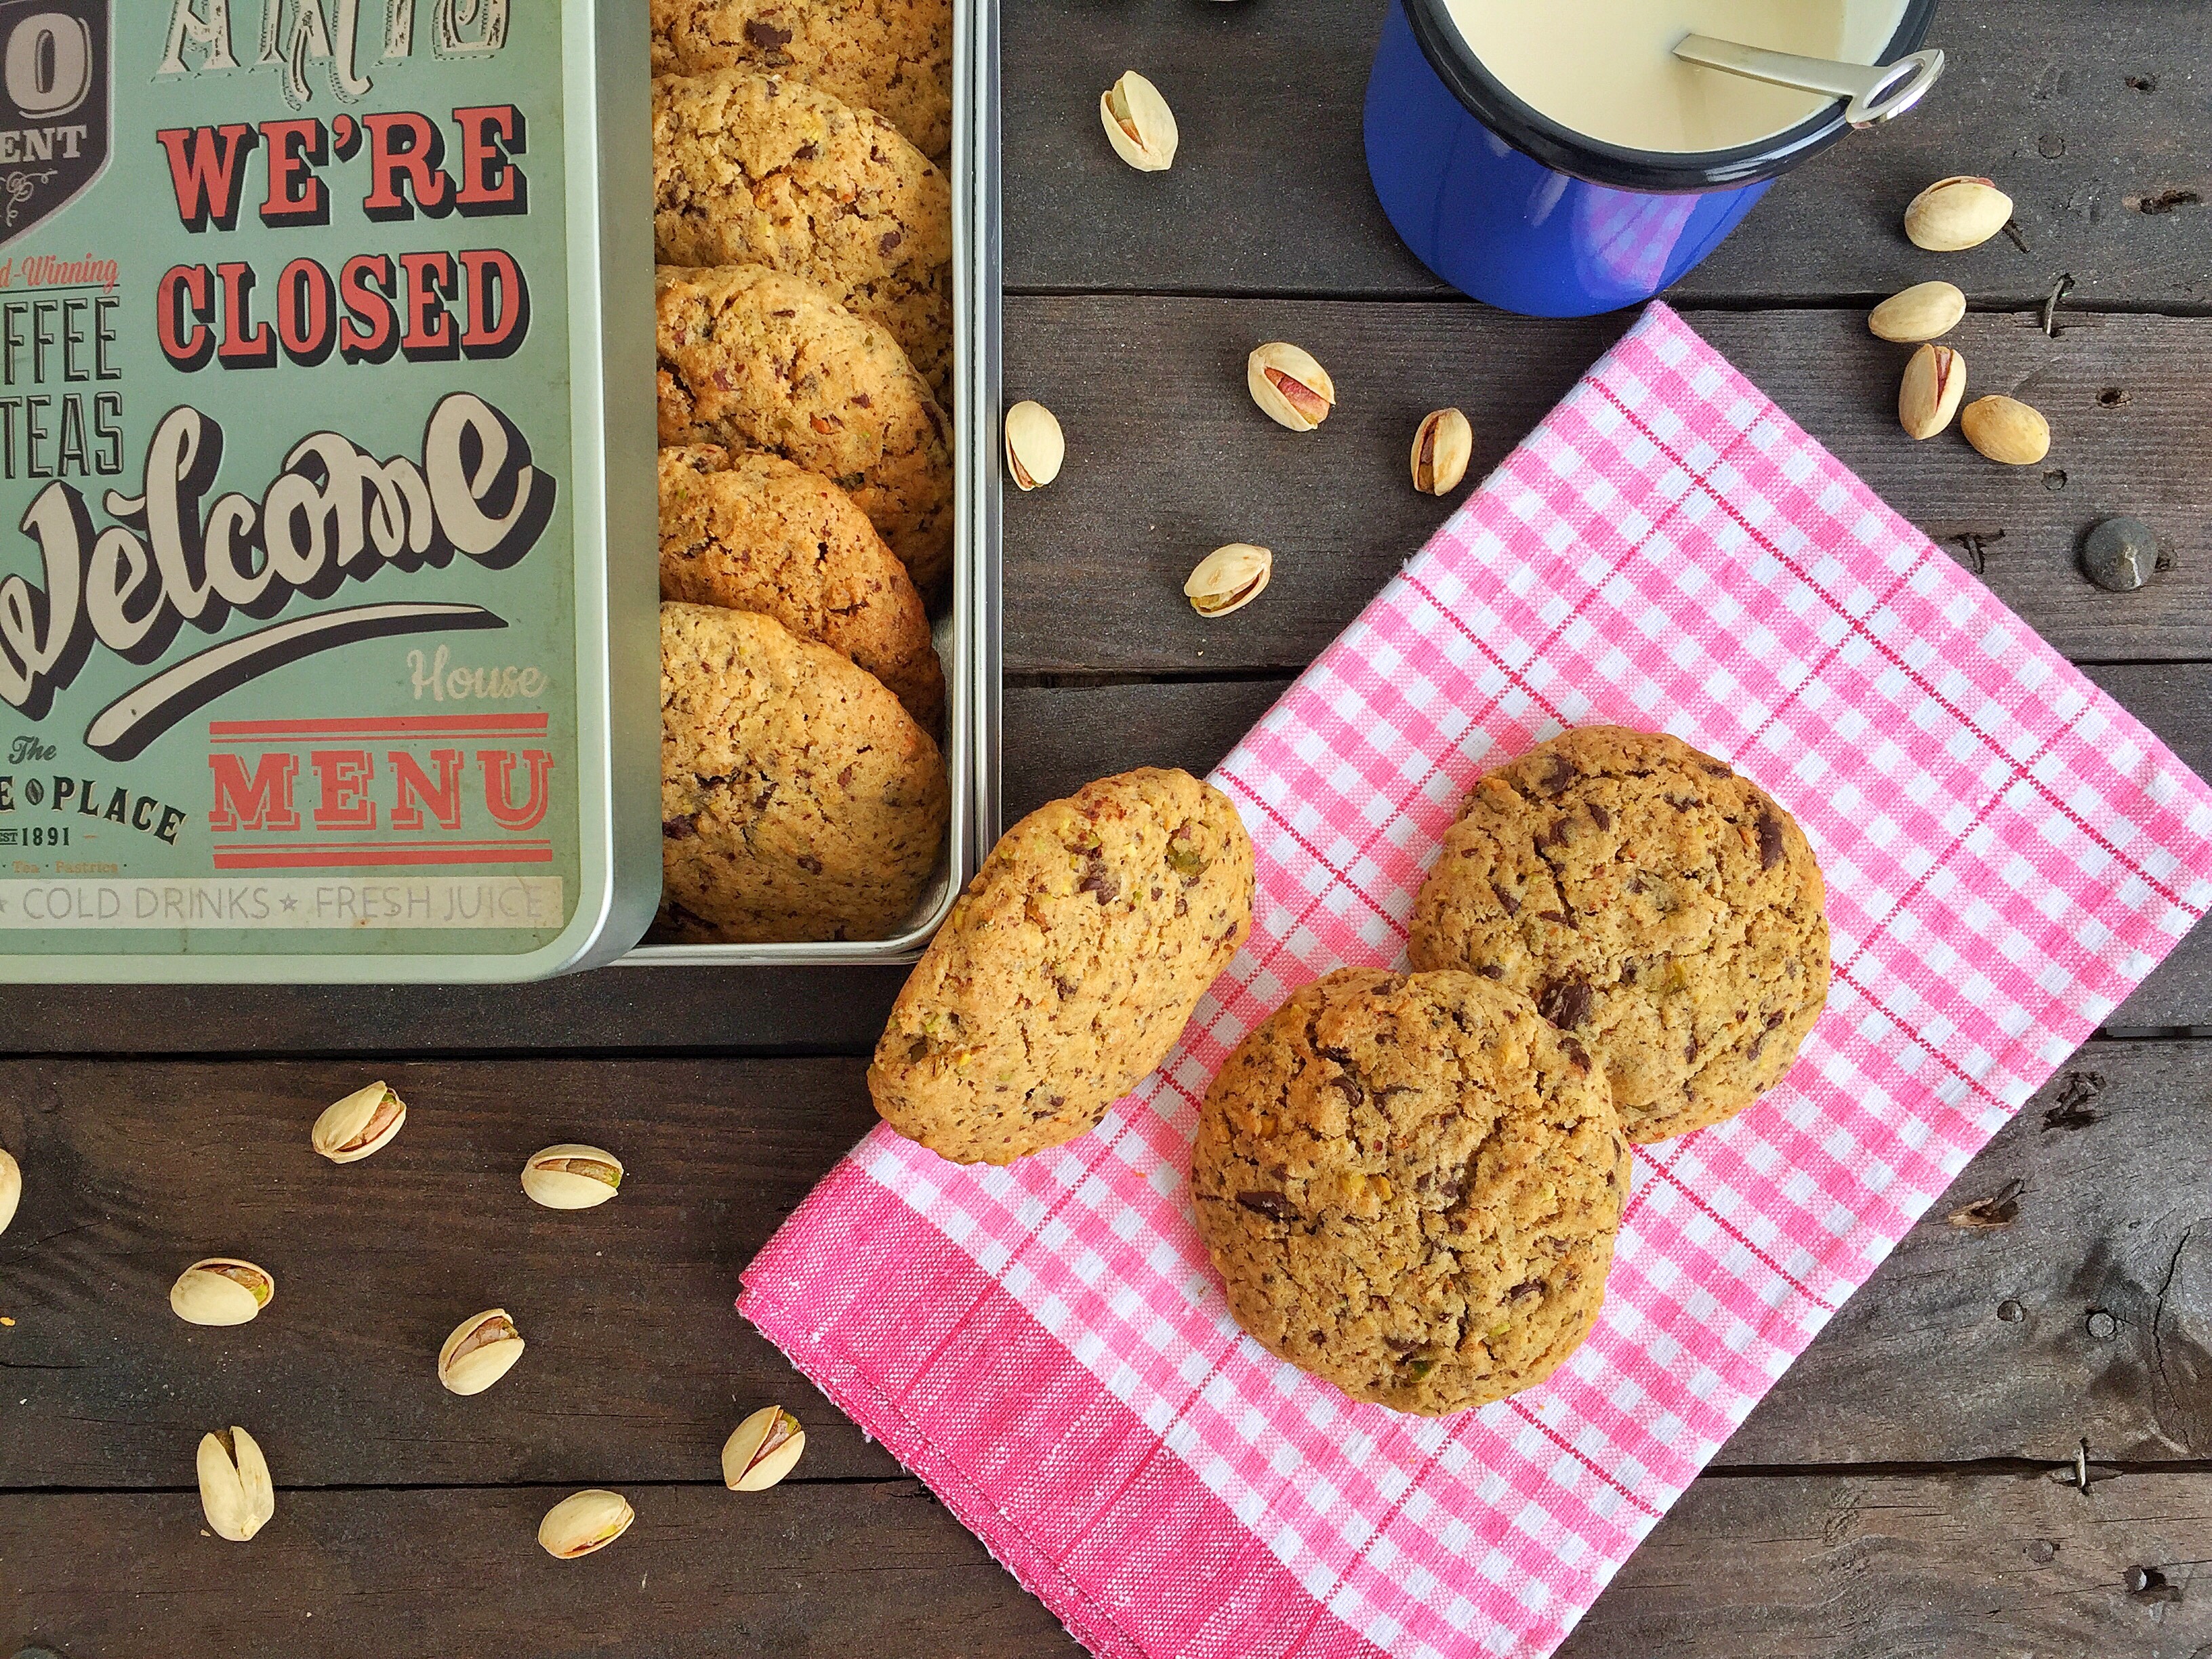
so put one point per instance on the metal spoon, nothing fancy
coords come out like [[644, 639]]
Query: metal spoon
[[1877, 92]]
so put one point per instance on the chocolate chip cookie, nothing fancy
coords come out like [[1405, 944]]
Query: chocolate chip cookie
[[749, 532], [1410, 1185], [755, 169], [753, 359], [892, 55], [797, 799], [1068, 968], [1657, 908]]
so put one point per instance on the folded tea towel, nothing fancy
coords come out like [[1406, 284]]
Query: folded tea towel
[[2007, 853]]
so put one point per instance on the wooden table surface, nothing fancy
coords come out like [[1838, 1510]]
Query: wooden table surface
[[1900, 1492]]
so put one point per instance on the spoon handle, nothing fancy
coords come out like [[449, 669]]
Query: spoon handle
[[1877, 92]]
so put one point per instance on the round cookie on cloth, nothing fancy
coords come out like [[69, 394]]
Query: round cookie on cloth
[[749, 532], [891, 56], [797, 799], [753, 359], [755, 169], [1068, 968], [1410, 1185], [1652, 902]]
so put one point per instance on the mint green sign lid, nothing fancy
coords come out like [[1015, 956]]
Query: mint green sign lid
[[327, 640]]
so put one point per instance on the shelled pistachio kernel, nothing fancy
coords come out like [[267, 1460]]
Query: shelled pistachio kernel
[[1957, 213], [1034, 445], [1228, 579], [1926, 311], [2006, 429], [483, 1348], [1928, 396], [761, 1449], [221, 1291], [362, 1123], [583, 1522], [1442, 445], [1139, 123], [236, 1492], [1289, 386], [572, 1177], [11, 1188]]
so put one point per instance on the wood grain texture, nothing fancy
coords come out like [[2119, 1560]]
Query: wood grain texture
[[638, 1366], [1270, 194], [1152, 390], [1841, 1566], [1057, 738]]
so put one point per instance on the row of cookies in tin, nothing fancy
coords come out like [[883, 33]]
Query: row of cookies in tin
[[1410, 1183], [804, 331]]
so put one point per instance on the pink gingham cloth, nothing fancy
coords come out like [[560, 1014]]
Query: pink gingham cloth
[[2007, 853]]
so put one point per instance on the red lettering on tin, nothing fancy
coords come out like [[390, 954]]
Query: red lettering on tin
[[246, 343], [344, 776], [184, 307], [207, 165], [490, 182], [431, 281], [370, 333], [261, 802], [499, 789], [414, 790], [296, 195], [499, 305], [404, 150]]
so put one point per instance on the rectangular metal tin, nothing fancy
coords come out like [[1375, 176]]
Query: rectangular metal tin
[[969, 635]]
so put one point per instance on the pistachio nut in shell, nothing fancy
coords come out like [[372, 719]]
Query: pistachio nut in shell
[[221, 1291], [1139, 123], [1957, 213], [1935, 380], [1442, 445], [361, 1124], [2006, 429], [1034, 445], [236, 1493], [11, 1188], [482, 1349], [572, 1177], [1228, 579], [584, 1521], [761, 1449], [1289, 386], [1926, 311]]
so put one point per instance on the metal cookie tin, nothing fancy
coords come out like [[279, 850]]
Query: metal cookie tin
[[968, 636]]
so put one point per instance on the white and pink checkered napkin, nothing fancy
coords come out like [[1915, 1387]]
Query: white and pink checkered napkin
[[2007, 855]]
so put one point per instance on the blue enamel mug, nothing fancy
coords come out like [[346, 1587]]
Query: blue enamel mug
[[1510, 206]]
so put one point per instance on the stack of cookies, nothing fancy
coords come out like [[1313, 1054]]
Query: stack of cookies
[[1411, 1183], [803, 310]]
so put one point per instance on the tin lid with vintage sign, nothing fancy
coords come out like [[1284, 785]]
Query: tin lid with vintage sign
[[327, 636]]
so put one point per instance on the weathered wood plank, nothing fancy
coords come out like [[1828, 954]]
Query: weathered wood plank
[[814, 1572], [134, 1170], [1790, 1567], [1168, 458], [1056, 739], [2083, 116]]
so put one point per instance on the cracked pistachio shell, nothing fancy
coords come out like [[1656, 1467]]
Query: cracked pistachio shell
[[361, 1124], [1928, 396], [1034, 445], [236, 1493], [221, 1291], [584, 1521], [1291, 388], [2006, 429], [1926, 311], [763, 1450], [1957, 213], [572, 1177], [1443, 445], [11, 1188], [1228, 579], [483, 1348], [1139, 123]]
